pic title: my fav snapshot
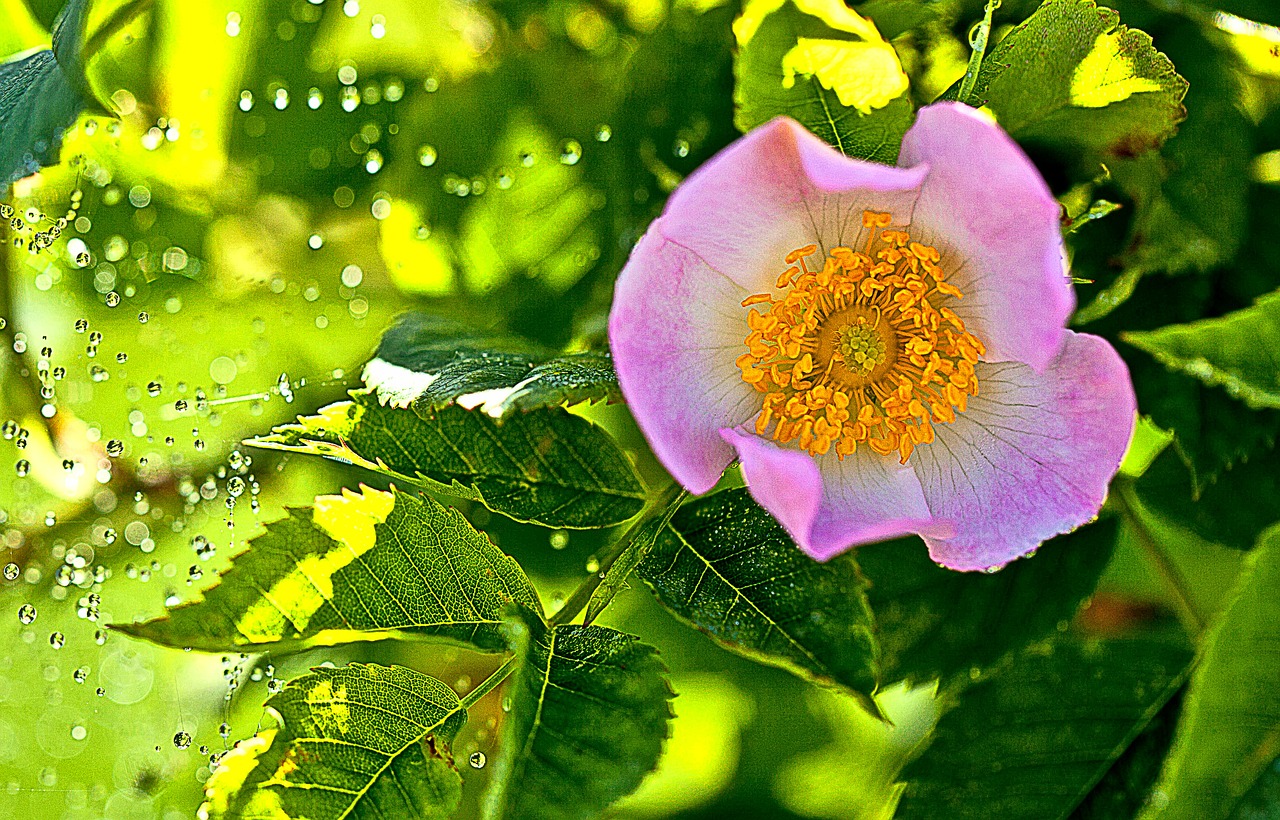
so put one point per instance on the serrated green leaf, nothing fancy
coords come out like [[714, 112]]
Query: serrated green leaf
[[1032, 740], [1237, 352], [815, 62], [590, 710], [1072, 78], [356, 567], [361, 742], [427, 362], [1229, 731], [726, 567], [40, 97], [936, 623], [546, 466]]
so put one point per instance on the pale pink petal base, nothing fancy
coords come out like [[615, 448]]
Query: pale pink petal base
[[675, 330], [985, 201], [1031, 457], [828, 505]]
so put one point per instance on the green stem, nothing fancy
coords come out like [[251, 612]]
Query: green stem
[[658, 505], [495, 679], [110, 27], [1131, 508], [978, 40]]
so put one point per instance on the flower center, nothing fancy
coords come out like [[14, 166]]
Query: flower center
[[857, 351]]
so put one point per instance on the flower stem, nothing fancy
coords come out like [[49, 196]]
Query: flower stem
[[495, 679], [1131, 508], [978, 41], [659, 505]]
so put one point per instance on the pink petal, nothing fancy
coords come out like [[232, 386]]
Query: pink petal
[[777, 189], [985, 200], [828, 505], [1032, 455], [676, 329]]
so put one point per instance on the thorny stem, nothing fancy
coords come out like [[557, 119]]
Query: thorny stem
[[978, 40], [1131, 509], [658, 504]]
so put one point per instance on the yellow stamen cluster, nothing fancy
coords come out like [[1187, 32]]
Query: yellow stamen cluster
[[857, 351]]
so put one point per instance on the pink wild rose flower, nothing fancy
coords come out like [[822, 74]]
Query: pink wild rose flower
[[882, 348]]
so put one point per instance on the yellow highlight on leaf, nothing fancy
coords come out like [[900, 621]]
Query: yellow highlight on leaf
[[329, 708], [865, 73], [288, 606], [1106, 75], [232, 771]]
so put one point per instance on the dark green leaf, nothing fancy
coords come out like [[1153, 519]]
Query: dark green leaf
[[590, 709], [1239, 351], [426, 362], [1229, 731], [40, 97], [1072, 78], [936, 623], [362, 742], [546, 466], [355, 567], [1231, 509], [725, 566], [1032, 740], [768, 86], [1127, 784], [1262, 801]]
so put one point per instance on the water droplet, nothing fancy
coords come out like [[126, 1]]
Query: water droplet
[[23, 467], [26, 613], [57, 640], [182, 740], [570, 152], [115, 448], [81, 675], [144, 317], [593, 565], [235, 486], [477, 760], [113, 299], [11, 571], [225, 730], [603, 133], [680, 148], [427, 156], [154, 388]]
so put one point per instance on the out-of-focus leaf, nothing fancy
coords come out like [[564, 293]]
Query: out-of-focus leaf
[[726, 567], [427, 362], [1229, 731], [1262, 801], [545, 466], [1238, 352], [828, 68], [355, 567], [936, 623], [1033, 739], [1072, 78], [364, 742], [590, 709], [40, 97]]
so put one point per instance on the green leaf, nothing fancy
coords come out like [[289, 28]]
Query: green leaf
[[546, 466], [936, 623], [726, 567], [1127, 785], [1072, 78], [355, 567], [1230, 726], [1032, 740], [362, 742], [426, 362], [1262, 801], [1230, 510], [815, 62], [1238, 352], [40, 97], [590, 710]]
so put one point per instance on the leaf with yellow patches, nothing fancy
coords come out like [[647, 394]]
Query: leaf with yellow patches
[[825, 66], [1072, 78], [358, 742], [355, 567]]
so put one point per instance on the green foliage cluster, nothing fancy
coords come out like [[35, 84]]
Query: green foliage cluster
[[501, 215]]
